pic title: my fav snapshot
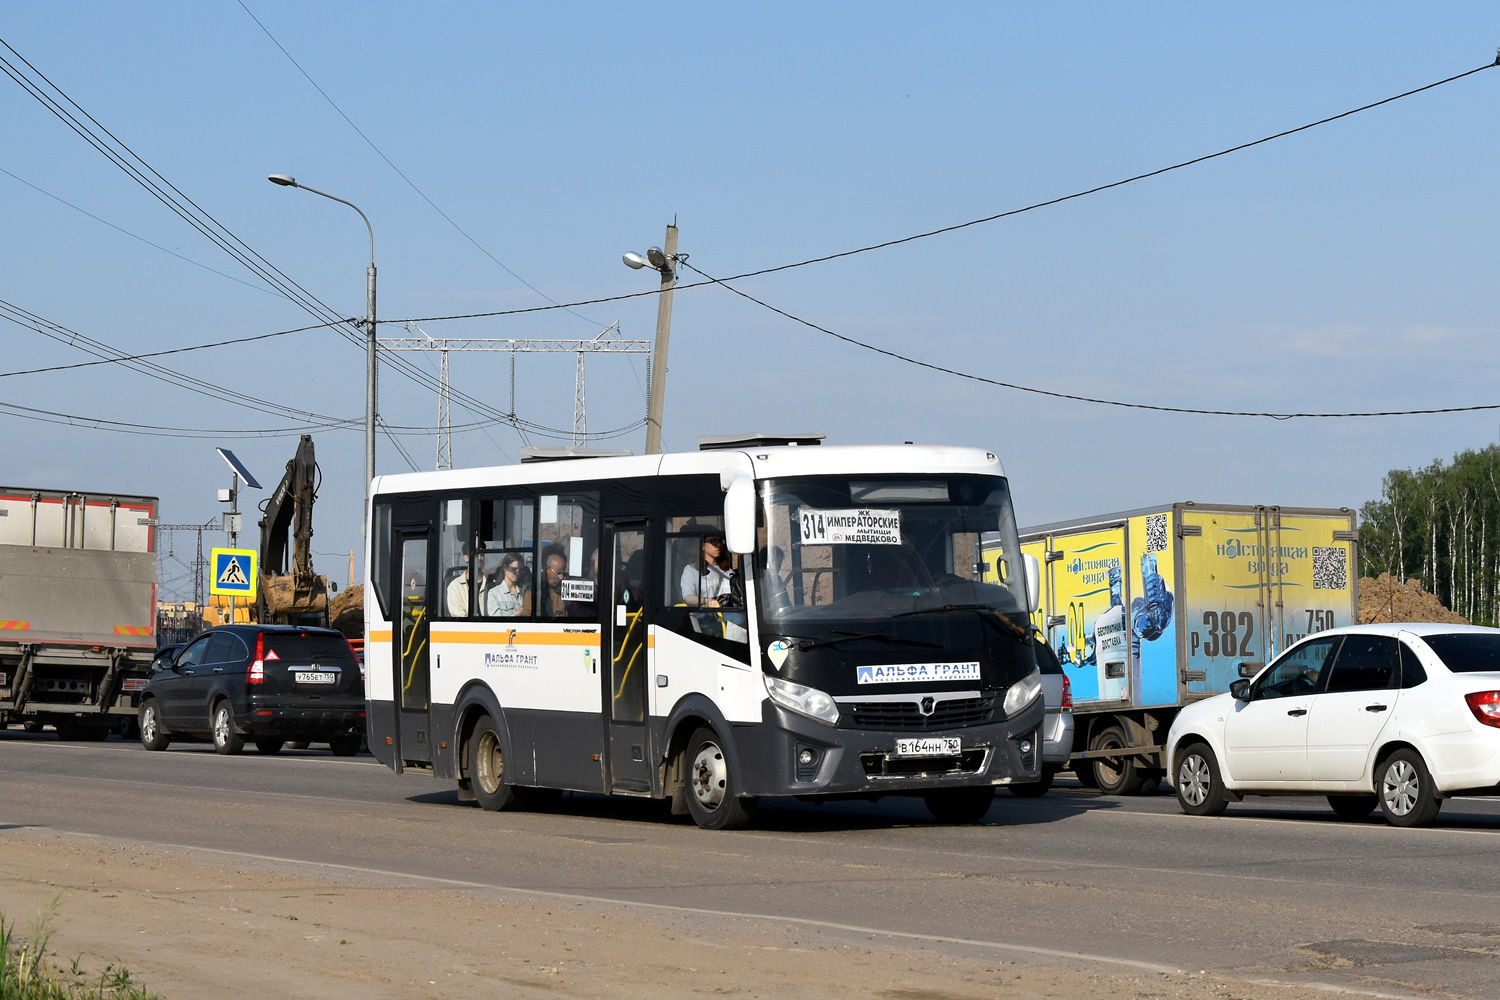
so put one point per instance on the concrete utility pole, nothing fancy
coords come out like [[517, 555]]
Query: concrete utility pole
[[664, 261]]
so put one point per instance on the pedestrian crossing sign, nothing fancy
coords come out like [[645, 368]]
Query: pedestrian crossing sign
[[234, 573]]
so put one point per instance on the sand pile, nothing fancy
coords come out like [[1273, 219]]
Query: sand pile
[[1384, 599]]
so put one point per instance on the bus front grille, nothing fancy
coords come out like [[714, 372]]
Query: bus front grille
[[907, 715]]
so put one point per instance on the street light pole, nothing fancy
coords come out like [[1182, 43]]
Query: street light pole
[[371, 371], [665, 262]]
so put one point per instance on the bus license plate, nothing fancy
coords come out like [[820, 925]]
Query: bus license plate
[[316, 677], [939, 746]]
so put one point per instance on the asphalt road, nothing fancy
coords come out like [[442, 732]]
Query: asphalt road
[[1276, 889]]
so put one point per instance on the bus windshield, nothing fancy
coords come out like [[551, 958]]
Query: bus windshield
[[842, 549]]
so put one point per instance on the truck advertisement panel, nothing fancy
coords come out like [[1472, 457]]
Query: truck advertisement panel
[[1257, 582], [1153, 616]]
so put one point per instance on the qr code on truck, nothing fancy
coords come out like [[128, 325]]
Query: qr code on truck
[[1156, 532], [1330, 568]]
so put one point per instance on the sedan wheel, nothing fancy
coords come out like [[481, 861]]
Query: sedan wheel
[[1406, 794], [1200, 790]]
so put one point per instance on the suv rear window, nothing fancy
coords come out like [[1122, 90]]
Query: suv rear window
[[309, 647], [1467, 652], [1046, 659]]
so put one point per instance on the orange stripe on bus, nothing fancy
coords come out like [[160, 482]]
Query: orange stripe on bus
[[502, 637], [380, 635]]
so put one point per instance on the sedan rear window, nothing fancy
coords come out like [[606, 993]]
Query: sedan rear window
[[308, 647], [1046, 659], [1467, 652]]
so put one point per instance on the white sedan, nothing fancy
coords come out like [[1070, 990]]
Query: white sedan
[[1397, 717]]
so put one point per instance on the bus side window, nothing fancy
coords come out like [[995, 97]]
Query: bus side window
[[380, 562], [505, 578], [702, 596], [567, 557], [456, 555]]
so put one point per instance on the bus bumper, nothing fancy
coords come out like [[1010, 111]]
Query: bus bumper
[[789, 754]]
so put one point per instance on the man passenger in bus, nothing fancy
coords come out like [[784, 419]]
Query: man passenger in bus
[[457, 594], [507, 596], [704, 588], [555, 565]]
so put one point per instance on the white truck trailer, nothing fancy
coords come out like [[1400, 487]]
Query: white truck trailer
[[77, 608], [1152, 609]]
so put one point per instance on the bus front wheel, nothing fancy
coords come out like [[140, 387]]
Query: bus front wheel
[[713, 798], [487, 768]]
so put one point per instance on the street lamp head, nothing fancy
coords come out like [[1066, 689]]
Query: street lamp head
[[635, 261], [657, 259], [283, 180]]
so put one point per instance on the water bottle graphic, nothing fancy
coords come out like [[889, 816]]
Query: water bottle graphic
[[1116, 588], [1150, 615]]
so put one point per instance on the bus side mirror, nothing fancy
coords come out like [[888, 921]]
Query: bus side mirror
[[739, 515], [1033, 583]]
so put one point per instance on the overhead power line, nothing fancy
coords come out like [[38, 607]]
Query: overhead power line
[[402, 174], [1238, 147], [1068, 395], [55, 100], [142, 239]]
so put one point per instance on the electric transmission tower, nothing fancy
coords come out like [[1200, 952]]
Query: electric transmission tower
[[443, 345]]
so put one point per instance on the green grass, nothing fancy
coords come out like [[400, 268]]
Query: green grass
[[28, 971]]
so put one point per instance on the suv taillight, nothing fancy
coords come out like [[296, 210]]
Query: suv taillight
[[1486, 707], [257, 674], [1067, 701]]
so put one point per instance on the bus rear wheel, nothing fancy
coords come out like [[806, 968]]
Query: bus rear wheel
[[713, 798], [487, 768]]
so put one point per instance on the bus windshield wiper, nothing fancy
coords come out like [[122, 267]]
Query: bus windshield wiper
[[851, 636], [991, 615]]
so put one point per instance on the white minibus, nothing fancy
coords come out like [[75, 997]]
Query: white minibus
[[768, 616]]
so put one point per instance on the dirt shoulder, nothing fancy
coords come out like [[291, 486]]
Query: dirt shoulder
[[188, 927]]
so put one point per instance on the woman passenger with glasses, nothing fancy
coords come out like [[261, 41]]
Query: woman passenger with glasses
[[507, 596], [704, 587]]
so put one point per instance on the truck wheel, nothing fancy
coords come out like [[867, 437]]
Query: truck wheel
[[1200, 788], [153, 737], [68, 730], [226, 740], [960, 806], [487, 768], [269, 747], [1121, 776], [1035, 789], [297, 744], [344, 746], [1407, 796], [712, 791], [1083, 770]]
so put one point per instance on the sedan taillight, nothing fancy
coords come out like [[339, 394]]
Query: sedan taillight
[[1486, 707], [1067, 701]]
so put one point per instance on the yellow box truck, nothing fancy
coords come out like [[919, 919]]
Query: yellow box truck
[[1151, 609]]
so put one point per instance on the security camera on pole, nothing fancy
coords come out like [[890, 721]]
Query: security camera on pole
[[663, 260]]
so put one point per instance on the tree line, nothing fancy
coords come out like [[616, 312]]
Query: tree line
[[1440, 525]]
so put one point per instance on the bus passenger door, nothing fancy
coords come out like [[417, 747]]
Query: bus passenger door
[[625, 682], [410, 650]]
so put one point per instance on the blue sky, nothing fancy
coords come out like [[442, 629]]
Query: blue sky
[[1350, 267]]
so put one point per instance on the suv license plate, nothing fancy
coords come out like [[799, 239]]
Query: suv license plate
[[316, 677], [940, 746]]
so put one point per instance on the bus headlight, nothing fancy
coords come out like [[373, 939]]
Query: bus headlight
[[1022, 693], [803, 700]]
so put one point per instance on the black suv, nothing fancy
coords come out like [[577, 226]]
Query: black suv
[[265, 683]]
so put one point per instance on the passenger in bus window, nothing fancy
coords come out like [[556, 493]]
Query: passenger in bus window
[[457, 594], [508, 596], [703, 587], [554, 567]]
